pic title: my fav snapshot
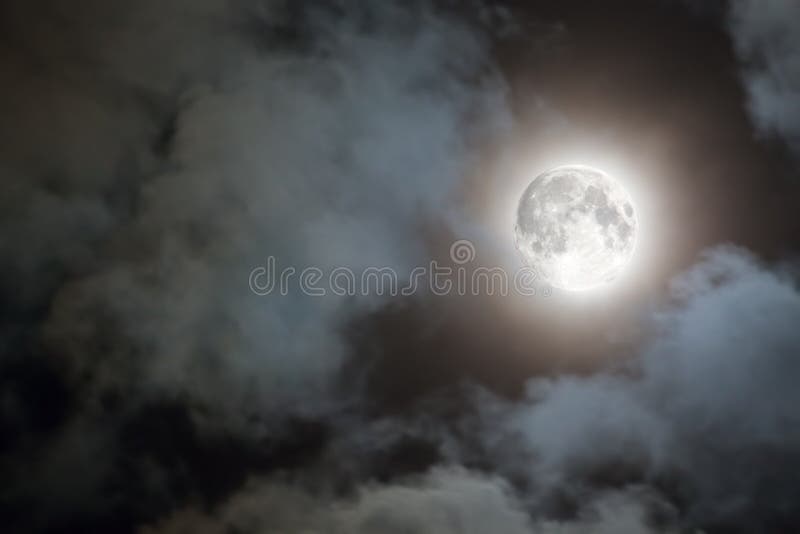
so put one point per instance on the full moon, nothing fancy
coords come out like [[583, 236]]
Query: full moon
[[576, 226]]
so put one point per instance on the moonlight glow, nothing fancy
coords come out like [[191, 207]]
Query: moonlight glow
[[576, 226]]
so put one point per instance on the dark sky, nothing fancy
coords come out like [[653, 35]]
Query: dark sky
[[154, 153]]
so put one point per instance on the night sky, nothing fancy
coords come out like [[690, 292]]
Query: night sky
[[156, 154]]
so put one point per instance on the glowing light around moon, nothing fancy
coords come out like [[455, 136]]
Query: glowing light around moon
[[576, 226]]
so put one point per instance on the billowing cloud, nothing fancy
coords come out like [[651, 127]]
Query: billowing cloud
[[697, 431], [208, 141], [155, 154], [706, 415], [445, 501]]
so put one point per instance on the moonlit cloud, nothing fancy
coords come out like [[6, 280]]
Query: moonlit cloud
[[713, 388]]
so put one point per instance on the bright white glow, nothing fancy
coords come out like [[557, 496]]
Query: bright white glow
[[576, 226]]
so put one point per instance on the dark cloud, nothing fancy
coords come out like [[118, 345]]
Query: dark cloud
[[768, 43], [319, 157], [445, 501], [154, 154]]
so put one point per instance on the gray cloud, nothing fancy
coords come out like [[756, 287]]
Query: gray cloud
[[698, 431], [86, 91], [766, 39], [445, 501], [155, 153], [207, 142], [706, 415]]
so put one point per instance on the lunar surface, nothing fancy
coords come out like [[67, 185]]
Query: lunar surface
[[576, 226]]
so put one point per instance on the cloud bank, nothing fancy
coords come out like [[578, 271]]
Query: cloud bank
[[160, 168], [698, 431], [450, 501], [154, 154], [705, 416]]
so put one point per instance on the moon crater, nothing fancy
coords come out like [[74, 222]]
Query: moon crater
[[576, 226]]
